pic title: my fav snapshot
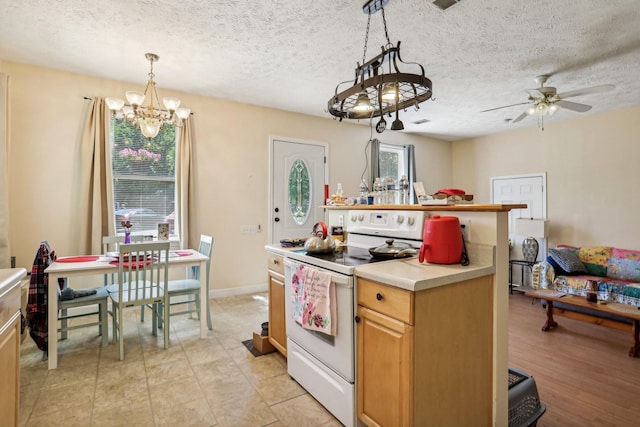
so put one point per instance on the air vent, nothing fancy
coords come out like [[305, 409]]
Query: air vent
[[445, 4], [421, 121]]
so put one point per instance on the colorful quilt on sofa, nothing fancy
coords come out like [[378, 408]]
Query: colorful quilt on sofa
[[616, 271]]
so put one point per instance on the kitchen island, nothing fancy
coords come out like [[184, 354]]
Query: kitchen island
[[471, 301], [487, 224]]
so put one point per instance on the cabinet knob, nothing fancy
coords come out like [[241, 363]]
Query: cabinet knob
[[275, 261], [379, 296], [357, 319]]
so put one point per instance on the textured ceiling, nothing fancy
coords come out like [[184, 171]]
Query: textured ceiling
[[291, 54]]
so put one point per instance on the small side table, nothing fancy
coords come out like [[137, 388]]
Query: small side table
[[523, 263]]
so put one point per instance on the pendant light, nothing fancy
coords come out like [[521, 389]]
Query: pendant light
[[377, 91]]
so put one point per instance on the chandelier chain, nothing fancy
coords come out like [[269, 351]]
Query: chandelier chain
[[386, 32], [366, 41]]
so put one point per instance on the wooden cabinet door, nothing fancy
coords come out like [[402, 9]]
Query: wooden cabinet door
[[385, 370], [277, 328], [10, 371]]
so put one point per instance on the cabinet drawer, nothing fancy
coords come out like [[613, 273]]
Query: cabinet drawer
[[394, 302], [275, 263]]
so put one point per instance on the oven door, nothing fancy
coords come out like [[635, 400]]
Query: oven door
[[336, 352]]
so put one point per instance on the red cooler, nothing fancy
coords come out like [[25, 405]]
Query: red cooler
[[442, 240]]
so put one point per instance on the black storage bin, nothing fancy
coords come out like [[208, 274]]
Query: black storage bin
[[524, 404]]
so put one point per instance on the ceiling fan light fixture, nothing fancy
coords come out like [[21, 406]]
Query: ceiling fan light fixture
[[377, 92], [150, 117], [553, 108], [541, 108]]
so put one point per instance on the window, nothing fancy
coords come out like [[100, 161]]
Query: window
[[391, 161], [299, 192], [144, 177]]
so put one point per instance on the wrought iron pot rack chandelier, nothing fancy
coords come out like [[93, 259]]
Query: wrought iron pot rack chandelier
[[376, 93]]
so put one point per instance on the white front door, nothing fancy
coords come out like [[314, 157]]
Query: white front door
[[298, 175], [529, 189]]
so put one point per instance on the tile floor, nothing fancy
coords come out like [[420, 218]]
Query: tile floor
[[209, 382]]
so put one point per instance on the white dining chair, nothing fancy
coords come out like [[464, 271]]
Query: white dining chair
[[143, 276], [186, 292]]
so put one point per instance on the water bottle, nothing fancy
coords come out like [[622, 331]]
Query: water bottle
[[390, 190], [404, 190], [378, 192], [364, 193]]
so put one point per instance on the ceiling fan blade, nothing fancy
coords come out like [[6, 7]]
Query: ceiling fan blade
[[585, 91], [520, 117], [535, 93], [573, 106], [506, 106]]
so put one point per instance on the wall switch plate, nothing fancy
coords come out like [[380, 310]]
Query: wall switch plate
[[249, 229]]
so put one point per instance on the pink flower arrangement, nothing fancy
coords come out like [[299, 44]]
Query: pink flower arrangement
[[139, 154]]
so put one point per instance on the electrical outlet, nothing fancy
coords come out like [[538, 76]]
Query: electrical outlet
[[466, 229], [341, 220]]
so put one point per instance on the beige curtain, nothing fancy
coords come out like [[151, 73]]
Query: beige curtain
[[94, 193], [185, 186], [5, 246]]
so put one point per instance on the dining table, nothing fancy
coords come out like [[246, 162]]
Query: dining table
[[87, 265]]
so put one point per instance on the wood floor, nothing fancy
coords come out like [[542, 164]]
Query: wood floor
[[582, 371]]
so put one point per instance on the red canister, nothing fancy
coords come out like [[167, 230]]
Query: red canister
[[442, 240]]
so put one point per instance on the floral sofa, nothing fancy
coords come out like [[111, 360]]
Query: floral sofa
[[616, 271]]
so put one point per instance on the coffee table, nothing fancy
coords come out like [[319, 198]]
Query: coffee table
[[615, 309]]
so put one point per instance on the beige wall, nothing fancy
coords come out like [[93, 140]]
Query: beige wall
[[592, 173], [231, 150]]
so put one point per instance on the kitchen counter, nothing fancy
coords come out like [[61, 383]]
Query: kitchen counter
[[10, 277], [415, 276]]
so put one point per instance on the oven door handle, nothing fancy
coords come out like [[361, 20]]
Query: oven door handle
[[338, 279]]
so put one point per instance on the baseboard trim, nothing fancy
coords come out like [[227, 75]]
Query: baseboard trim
[[218, 293]]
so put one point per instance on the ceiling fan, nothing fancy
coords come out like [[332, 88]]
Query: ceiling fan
[[546, 100]]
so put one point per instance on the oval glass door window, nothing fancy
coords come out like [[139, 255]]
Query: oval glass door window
[[299, 192]]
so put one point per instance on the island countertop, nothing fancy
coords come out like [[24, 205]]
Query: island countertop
[[415, 276]]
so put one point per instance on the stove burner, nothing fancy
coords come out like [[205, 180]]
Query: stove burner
[[349, 256]]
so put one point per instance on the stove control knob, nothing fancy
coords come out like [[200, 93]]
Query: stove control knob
[[354, 217], [361, 217], [411, 220], [400, 219]]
